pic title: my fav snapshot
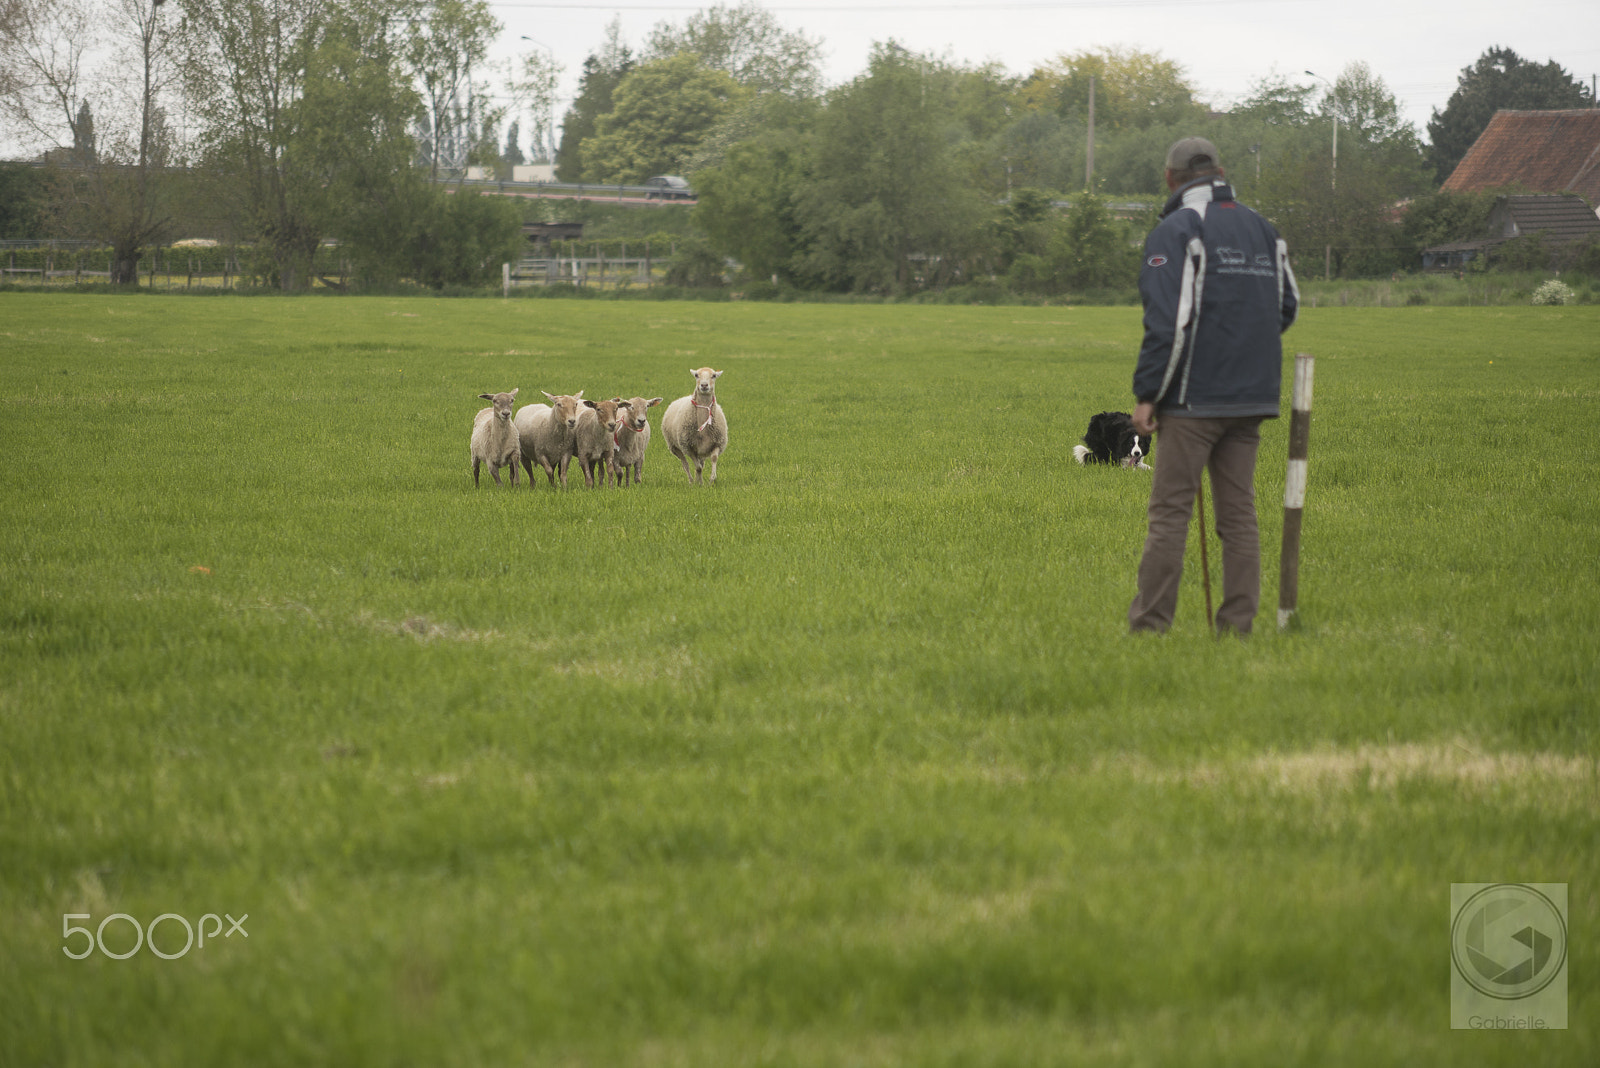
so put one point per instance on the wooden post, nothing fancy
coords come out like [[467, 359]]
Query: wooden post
[[505, 279], [1088, 170], [1294, 490]]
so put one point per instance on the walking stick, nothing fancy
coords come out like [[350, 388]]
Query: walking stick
[[1205, 566]]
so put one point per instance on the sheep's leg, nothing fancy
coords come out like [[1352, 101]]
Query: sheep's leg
[[527, 465], [476, 463], [714, 466], [513, 466], [494, 471], [684, 460], [549, 472]]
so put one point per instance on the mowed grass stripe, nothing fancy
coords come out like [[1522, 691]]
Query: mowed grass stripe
[[846, 759]]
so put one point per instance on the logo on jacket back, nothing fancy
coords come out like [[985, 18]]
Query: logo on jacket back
[[1156, 261]]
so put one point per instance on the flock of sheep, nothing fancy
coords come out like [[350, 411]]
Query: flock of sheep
[[608, 438]]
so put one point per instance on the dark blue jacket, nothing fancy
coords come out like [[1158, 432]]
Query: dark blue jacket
[[1217, 293]]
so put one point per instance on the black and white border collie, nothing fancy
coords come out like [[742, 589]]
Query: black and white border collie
[[1111, 439]]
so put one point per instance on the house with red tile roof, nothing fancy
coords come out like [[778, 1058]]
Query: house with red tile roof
[[1553, 153], [1538, 151]]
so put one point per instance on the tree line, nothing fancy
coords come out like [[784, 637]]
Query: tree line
[[284, 124]]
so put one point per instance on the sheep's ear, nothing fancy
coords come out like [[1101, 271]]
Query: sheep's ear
[[653, 402], [547, 396], [578, 395], [486, 396], [514, 393], [618, 400], [623, 404], [716, 374], [590, 404]]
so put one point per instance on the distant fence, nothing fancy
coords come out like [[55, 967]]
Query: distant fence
[[597, 268], [172, 267]]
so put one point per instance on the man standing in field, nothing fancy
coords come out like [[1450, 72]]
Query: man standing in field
[[1217, 292]]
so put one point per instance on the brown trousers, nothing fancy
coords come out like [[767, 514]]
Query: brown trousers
[[1185, 447]]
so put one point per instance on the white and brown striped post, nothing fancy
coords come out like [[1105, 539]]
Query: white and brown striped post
[[1294, 489]]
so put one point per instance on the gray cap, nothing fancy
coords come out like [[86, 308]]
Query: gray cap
[[1192, 154]]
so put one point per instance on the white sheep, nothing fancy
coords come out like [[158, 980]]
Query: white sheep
[[596, 440], [695, 427], [632, 438], [546, 435], [494, 438]]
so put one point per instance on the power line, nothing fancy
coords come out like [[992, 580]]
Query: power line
[[906, 9]]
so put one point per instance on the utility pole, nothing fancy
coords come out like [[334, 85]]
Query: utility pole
[[1088, 171], [1333, 97]]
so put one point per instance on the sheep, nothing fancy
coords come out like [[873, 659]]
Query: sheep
[[692, 435], [494, 438], [595, 440], [545, 432], [632, 438]]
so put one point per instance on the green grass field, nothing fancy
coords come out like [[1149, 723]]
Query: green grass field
[[843, 761]]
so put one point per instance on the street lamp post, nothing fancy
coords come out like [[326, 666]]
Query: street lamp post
[[1333, 95], [1333, 178]]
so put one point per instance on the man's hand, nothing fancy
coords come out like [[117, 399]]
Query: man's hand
[[1144, 418]]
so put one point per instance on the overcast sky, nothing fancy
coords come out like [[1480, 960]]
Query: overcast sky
[[1418, 47]]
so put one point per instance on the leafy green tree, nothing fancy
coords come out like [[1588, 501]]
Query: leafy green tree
[[1444, 217], [24, 199], [889, 205], [748, 203], [1499, 79], [1040, 149], [1094, 249], [753, 116], [602, 73], [664, 110], [245, 65], [1276, 100], [747, 43], [1024, 225], [1132, 161], [1132, 88], [1368, 113], [1345, 219], [462, 239], [305, 107], [347, 154], [512, 155]]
